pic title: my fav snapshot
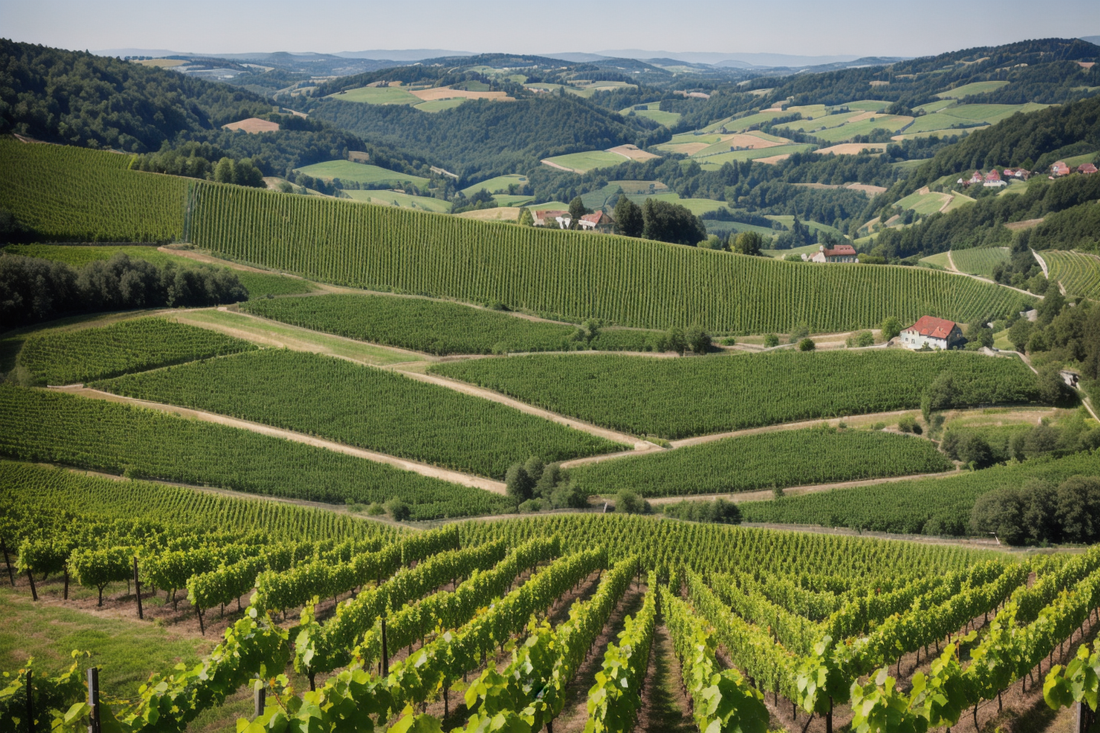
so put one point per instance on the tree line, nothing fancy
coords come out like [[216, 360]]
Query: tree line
[[34, 289]]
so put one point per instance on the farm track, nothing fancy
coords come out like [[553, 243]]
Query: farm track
[[455, 477]]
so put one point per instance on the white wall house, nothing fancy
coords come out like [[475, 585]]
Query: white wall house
[[936, 333], [839, 253]]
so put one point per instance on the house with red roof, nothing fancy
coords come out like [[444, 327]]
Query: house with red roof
[[598, 221], [935, 333], [1086, 168], [560, 218], [993, 180], [837, 253], [976, 178], [1059, 169]]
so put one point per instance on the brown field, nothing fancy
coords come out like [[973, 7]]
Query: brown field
[[162, 63], [253, 125], [866, 188], [851, 148], [773, 160], [358, 156], [429, 95], [879, 83], [750, 141], [501, 213], [1027, 224], [633, 153]]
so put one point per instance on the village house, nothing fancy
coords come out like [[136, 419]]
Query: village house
[[1059, 169], [993, 180], [976, 178], [598, 221], [935, 333], [838, 253], [1086, 168], [562, 218]]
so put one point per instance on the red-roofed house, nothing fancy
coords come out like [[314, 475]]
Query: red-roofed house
[[1086, 168], [839, 253], [560, 218], [993, 180], [598, 221], [935, 333], [1059, 169], [977, 177]]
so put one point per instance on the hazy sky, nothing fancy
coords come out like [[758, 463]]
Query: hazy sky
[[803, 27]]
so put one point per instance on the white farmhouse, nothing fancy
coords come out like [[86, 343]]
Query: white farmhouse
[[936, 333], [838, 253]]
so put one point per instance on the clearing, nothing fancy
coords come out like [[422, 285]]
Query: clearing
[[345, 170]]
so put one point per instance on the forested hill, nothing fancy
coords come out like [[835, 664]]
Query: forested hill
[[489, 137], [1044, 71], [97, 101], [93, 101], [1033, 141]]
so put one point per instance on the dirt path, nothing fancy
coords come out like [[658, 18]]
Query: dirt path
[[665, 707], [700, 439], [1042, 263], [769, 495], [455, 477], [640, 446], [951, 261]]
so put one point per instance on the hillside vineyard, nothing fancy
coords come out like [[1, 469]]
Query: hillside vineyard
[[564, 274]]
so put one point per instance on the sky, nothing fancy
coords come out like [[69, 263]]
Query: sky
[[802, 27]]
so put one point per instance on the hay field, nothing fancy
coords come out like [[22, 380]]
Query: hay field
[[851, 148], [762, 155], [584, 162], [377, 95], [632, 152], [499, 184], [345, 170], [440, 93], [893, 123], [252, 125], [978, 87], [402, 200], [501, 213]]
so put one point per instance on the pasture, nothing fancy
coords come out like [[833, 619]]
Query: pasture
[[714, 162], [969, 90], [584, 162], [653, 112], [439, 105], [378, 95], [395, 198], [866, 126], [499, 184], [345, 170]]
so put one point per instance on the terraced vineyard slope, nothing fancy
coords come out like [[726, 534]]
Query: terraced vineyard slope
[[365, 407], [679, 398], [1078, 272]]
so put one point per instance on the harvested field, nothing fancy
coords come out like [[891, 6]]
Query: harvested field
[[774, 160], [253, 125], [500, 213], [852, 148], [632, 152], [866, 188], [429, 95], [1026, 224], [685, 148]]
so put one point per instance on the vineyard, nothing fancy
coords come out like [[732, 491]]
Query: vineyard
[[364, 407], [1077, 272], [930, 506], [777, 459], [562, 274], [494, 625], [677, 398], [69, 357], [70, 194], [104, 436], [979, 261], [435, 327], [78, 195]]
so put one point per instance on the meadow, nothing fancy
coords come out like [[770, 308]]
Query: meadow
[[345, 170], [396, 198], [967, 90], [377, 95], [584, 162]]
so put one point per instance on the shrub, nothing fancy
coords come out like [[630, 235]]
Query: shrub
[[398, 509], [627, 502], [771, 340], [806, 345]]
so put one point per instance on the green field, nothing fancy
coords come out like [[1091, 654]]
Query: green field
[[439, 105], [404, 200], [435, 327], [822, 123], [679, 398], [69, 357], [105, 436], [364, 407], [742, 123], [714, 162], [499, 184], [258, 284], [1079, 273], [935, 106], [345, 170], [782, 458], [893, 123], [928, 506], [937, 261], [787, 220], [377, 95], [584, 162], [868, 105], [967, 116], [653, 112], [695, 206], [924, 203], [980, 261], [74, 194], [780, 254], [967, 90]]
